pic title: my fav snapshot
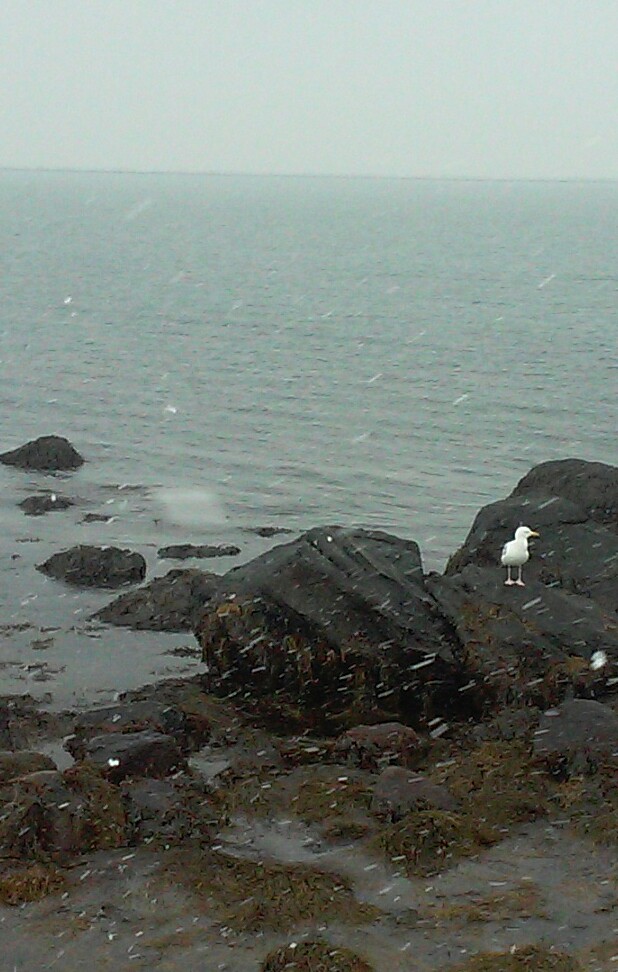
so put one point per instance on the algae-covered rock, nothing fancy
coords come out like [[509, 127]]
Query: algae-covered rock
[[14, 764], [170, 603], [20, 883], [337, 620], [527, 958], [54, 815], [89, 566], [313, 957], [255, 895], [374, 747]]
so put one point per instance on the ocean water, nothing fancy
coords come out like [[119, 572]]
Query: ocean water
[[237, 352]]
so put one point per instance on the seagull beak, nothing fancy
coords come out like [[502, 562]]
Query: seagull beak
[[533, 533]]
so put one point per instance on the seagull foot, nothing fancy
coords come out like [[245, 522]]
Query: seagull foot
[[509, 583], [519, 583]]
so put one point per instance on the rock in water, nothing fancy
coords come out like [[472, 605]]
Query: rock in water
[[339, 621], [88, 566], [51, 453], [170, 603], [44, 503]]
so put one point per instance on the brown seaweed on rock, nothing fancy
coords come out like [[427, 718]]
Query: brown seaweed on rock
[[313, 957]]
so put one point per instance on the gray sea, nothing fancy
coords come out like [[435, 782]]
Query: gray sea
[[235, 352]]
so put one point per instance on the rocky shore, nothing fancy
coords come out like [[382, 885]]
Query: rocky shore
[[376, 769]]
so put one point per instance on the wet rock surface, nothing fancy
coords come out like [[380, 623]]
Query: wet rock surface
[[379, 769], [89, 566], [49, 453], [183, 551], [170, 603], [338, 618], [45, 503]]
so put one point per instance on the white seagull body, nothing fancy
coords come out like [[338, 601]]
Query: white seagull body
[[515, 553]]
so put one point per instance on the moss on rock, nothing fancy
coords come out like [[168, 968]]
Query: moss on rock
[[313, 957], [252, 895], [529, 958]]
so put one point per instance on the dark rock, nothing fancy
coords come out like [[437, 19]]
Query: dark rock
[[514, 638], [48, 453], [577, 736], [336, 620], [593, 486], [122, 755], [130, 717], [572, 553], [56, 815], [170, 811], [169, 603], [88, 566], [268, 531], [182, 551], [398, 792], [97, 518], [14, 764], [44, 503], [375, 746]]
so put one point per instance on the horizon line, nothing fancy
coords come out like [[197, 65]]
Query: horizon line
[[70, 170]]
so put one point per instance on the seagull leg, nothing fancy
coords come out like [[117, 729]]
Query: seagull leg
[[508, 580], [519, 581]]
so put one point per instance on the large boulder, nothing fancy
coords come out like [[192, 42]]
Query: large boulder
[[89, 566], [591, 485], [538, 641], [170, 603], [573, 553], [526, 645], [338, 620], [49, 453]]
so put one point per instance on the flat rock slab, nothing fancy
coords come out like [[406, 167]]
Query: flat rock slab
[[122, 755], [89, 566], [49, 453], [170, 603]]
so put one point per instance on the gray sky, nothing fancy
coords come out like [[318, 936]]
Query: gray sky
[[482, 88]]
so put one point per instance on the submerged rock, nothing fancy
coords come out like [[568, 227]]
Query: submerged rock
[[170, 603], [182, 551], [50, 453], [88, 566]]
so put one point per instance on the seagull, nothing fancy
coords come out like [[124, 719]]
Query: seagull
[[515, 554]]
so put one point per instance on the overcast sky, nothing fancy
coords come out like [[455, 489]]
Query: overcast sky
[[480, 88]]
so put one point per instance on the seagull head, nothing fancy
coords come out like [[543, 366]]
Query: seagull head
[[524, 532]]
